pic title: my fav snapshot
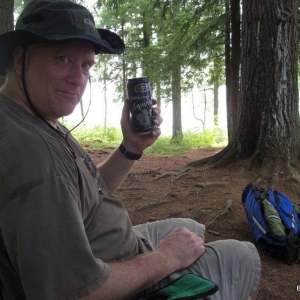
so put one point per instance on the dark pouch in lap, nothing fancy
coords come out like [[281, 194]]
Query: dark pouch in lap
[[188, 286]]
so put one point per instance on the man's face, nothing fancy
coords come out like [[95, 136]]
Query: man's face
[[56, 76]]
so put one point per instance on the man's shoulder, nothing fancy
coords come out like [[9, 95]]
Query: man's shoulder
[[25, 154], [18, 135]]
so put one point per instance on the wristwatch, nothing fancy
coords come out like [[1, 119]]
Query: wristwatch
[[128, 154]]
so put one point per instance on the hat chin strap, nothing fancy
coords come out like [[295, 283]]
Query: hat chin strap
[[34, 110]]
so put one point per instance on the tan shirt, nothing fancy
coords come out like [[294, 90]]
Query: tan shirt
[[58, 227]]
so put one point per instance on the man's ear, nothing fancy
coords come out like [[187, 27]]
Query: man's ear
[[17, 60]]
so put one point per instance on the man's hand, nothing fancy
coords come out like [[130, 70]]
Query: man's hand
[[176, 251], [134, 142], [181, 248]]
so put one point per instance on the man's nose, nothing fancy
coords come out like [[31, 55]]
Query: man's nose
[[76, 75]]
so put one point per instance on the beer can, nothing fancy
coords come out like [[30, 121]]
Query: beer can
[[140, 105]]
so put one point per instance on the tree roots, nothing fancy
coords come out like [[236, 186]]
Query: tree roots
[[221, 159], [274, 168]]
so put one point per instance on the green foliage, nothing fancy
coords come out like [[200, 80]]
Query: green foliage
[[99, 137], [161, 34]]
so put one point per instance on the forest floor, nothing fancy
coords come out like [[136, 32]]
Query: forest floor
[[160, 187]]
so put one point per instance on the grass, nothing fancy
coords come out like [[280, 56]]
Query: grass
[[99, 137], [189, 140]]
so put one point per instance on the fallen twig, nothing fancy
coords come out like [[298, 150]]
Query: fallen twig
[[213, 232], [152, 171], [206, 185], [199, 213], [151, 204], [171, 194], [131, 189], [163, 176], [180, 176], [224, 211]]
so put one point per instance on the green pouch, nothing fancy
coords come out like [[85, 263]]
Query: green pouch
[[188, 286], [273, 219]]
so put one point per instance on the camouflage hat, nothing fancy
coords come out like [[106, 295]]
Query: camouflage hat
[[57, 20]]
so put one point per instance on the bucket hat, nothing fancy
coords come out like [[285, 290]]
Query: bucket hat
[[53, 21]]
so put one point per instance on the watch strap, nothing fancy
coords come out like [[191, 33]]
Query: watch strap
[[128, 154]]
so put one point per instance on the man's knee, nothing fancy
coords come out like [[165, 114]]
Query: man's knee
[[236, 260], [190, 224]]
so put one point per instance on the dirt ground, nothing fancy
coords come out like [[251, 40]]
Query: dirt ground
[[160, 187]]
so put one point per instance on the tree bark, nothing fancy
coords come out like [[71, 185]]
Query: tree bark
[[6, 21], [228, 71], [216, 103], [176, 100], [269, 86], [268, 119], [235, 62], [6, 16], [232, 63]]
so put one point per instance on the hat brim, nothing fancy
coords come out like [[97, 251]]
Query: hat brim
[[109, 43]]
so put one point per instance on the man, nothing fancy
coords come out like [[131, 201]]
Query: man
[[63, 235]]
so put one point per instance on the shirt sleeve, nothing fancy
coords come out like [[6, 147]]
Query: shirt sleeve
[[43, 232]]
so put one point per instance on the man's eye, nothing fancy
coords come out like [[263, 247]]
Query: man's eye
[[63, 59], [86, 66]]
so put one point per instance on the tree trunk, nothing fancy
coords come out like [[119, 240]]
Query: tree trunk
[[124, 74], [6, 21], [6, 15], [105, 100], [269, 86], [176, 100], [158, 93], [216, 104], [228, 71], [232, 63], [268, 123], [235, 62]]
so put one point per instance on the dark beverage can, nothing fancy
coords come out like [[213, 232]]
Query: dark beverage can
[[140, 105]]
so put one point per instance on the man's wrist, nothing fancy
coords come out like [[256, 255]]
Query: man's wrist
[[128, 154]]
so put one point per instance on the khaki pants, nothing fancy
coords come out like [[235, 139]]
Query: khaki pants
[[233, 265]]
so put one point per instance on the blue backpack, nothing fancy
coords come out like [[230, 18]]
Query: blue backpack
[[274, 221]]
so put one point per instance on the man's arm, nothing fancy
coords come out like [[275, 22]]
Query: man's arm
[[116, 167], [176, 251]]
